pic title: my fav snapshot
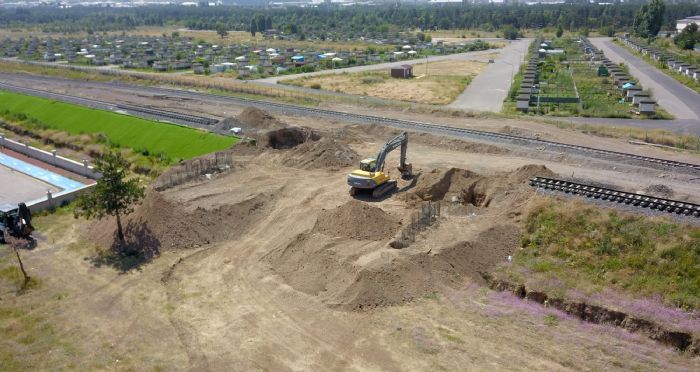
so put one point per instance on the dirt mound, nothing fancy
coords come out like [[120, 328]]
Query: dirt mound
[[526, 172], [255, 118], [661, 191], [353, 275], [466, 187], [413, 276], [227, 124], [325, 152], [159, 223], [357, 220]]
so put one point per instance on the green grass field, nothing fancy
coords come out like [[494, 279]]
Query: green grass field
[[174, 141]]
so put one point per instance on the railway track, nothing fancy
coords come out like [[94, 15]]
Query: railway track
[[142, 111], [617, 196], [358, 118]]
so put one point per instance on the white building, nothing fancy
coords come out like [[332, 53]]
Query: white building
[[682, 23]]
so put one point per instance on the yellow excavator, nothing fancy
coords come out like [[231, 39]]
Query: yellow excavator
[[371, 176]]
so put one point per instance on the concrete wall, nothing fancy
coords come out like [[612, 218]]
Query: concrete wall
[[57, 200], [51, 158]]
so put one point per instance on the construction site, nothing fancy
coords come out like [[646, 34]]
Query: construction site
[[320, 244]]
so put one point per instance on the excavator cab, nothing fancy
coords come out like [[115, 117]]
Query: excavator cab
[[368, 165]]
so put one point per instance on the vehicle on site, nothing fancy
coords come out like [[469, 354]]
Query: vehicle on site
[[15, 221], [371, 176]]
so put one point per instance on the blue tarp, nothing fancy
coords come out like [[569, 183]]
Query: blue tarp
[[627, 85], [298, 58], [39, 173]]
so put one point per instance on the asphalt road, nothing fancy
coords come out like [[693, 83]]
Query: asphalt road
[[488, 89], [467, 56], [679, 100]]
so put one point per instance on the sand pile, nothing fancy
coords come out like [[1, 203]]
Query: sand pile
[[255, 118], [326, 152], [357, 220], [159, 223]]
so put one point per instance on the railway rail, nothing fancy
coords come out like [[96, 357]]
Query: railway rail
[[617, 196], [363, 119]]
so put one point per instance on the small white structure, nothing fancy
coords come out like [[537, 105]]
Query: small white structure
[[683, 23]]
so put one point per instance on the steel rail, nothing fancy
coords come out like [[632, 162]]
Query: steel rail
[[617, 196]]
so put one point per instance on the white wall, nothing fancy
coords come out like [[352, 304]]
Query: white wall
[[51, 158]]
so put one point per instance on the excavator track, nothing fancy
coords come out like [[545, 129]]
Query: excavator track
[[384, 189]]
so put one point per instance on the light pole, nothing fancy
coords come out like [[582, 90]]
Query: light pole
[[512, 69]]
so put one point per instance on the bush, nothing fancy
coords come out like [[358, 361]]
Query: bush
[[315, 86]]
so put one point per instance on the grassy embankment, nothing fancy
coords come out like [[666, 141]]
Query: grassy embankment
[[150, 145], [574, 248]]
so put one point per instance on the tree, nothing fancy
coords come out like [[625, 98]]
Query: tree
[[649, 19], [253, 27], [114, 194], [560, 31], [221, 30], [16, 243], [607, 31], [510, 32], [688, 37]]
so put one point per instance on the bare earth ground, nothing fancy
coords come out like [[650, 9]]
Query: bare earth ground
[[439, 84], [273, 266]]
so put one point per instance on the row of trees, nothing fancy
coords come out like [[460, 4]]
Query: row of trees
[[356, 19]]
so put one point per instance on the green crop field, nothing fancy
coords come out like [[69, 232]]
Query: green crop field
[[174, 141]]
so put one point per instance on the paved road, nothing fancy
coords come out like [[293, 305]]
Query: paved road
[[468, 56], [488, 90], [679, 100]]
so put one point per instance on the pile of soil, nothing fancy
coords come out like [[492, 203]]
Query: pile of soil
[[467, 187], [413, 276], [352, 275], [159, 223], [255, 118], [323, 153], [660, 191], [227, 124], [357, 220]]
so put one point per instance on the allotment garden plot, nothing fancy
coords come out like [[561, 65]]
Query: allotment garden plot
[[572, 79]]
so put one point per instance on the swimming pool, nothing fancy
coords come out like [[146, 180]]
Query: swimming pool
[[61, 182]]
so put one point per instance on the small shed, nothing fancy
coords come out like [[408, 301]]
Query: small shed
[[640, 97], [522, 102], [647, 106], [402, 72], [603, 71]]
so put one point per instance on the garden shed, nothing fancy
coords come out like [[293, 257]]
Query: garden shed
[[402, 72]]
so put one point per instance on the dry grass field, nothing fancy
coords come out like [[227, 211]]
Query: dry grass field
[[437, 83]]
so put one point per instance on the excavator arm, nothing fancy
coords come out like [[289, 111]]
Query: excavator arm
[[400, 140]]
